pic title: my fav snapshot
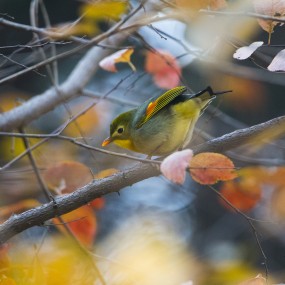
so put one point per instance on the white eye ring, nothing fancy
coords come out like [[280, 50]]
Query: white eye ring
[[120, 130]]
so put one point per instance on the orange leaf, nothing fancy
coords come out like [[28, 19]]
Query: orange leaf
[[209, 168], [164, 68], [105, 173], [98, 203], [87, 121], [4, 258], [82, 222], [258, 280], [277, 204], [67, 176], [173, 167], [264, 175], [124, 55], [21, 206], [244, 195]]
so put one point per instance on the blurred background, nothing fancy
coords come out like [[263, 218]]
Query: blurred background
[[153, 232]]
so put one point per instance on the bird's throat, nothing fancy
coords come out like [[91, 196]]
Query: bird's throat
[[125, 144]]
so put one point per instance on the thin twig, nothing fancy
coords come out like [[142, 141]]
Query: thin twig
[[243, 14], [250, 221]]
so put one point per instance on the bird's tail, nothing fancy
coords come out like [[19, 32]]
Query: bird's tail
[[208, 93], [206, 96]]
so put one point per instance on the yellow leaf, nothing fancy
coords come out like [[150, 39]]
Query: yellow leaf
[[100, 10], [124, 55]]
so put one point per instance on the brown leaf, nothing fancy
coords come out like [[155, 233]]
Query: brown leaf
[[269, 8], [209, 168], [66, 177]]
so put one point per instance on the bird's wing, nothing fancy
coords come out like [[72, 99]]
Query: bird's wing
[[159, 103]]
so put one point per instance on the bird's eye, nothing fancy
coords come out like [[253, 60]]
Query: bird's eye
[[120, 130]]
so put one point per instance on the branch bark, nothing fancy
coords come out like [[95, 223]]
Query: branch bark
[[37, 216], [73, 85]]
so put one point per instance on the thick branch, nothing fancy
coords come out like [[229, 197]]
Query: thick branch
[[244, 136], [37, 216]]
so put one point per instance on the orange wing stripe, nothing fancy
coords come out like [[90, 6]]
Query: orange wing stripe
[[150, 108]]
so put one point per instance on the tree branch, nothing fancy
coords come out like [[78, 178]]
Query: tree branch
[[244, 136], [77, 80], [37, 216]]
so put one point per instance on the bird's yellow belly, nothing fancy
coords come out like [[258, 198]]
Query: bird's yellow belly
[[166, 142]]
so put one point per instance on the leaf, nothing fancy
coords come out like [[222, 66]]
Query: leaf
[[82, 222], [4, 258], [278, 62], [277, 204], [164, 68], [264, 175], [271, 8], [258, 280], [67, 176], [209, 168], [18, 207], [97, 204], [244, 194], [245, 52], [173, 167], [124, 55], [105, 173], [87, 121], [100, 10]]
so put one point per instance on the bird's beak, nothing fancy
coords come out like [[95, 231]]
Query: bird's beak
[[107, 141]]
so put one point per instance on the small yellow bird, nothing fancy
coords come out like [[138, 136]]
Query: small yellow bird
[[162, 124]]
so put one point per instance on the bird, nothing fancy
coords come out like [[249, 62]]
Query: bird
[[162, 124]]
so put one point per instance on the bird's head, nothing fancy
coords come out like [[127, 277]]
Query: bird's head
[[120, 130]]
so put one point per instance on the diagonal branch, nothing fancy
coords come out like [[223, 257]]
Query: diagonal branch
[[77, 80], [37, 216]]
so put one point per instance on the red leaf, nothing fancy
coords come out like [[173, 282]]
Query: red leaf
[[244, 195], [82, 222], [164, 68]]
